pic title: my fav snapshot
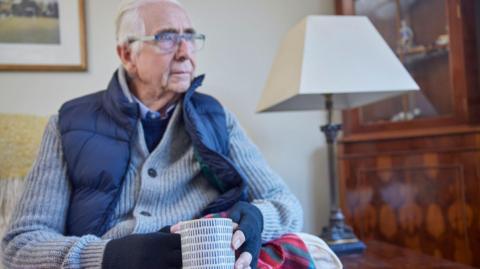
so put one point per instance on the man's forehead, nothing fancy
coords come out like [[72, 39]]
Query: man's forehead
[[164, 15]]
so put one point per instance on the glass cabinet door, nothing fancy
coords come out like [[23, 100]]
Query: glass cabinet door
[[417, 31]]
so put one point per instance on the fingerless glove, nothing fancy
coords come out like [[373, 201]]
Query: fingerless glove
[[146, 251], [250, 222]]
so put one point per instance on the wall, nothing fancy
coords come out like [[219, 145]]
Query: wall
[[242, 37]]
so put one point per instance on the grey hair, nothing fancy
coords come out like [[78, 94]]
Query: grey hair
[[129, 23]]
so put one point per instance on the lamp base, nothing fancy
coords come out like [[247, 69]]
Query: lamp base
[[346, 248], [339, 237]]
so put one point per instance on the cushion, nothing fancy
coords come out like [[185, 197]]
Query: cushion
[[20, 137]]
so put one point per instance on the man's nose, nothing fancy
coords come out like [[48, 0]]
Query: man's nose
[[183, 51]]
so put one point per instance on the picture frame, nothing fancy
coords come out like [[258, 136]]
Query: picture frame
[[42, 35]]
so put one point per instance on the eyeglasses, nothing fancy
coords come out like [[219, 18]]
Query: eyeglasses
[[168, 42]]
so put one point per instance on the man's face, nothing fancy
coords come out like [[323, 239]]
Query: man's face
[[169, 71]]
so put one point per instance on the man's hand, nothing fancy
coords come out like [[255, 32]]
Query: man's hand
[[246, 239], [152, 250], [244, 260]]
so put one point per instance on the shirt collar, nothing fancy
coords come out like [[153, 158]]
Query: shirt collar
[[145, 112]]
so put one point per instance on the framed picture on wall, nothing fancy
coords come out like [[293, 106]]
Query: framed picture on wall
[[42, 35]]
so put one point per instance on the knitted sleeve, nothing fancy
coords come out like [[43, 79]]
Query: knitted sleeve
[[35, 236], [282, 212]]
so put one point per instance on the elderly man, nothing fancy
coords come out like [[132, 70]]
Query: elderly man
[[117, 167]]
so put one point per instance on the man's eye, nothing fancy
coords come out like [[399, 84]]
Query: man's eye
[[166, 37]]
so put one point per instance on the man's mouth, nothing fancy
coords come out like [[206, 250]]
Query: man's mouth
[[180, 73]]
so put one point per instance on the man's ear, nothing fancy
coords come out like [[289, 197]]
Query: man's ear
[[125, 54]]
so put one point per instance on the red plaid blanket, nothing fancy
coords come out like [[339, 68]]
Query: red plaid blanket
[[288, 251]]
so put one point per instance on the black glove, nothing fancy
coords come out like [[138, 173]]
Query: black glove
[[250, 222], [146, 251]]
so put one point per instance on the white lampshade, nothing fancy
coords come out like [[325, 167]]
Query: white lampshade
[[340, 55]]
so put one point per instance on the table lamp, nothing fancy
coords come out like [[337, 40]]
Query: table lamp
[[327, 63]]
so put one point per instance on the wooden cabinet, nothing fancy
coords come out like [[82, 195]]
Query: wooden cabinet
[[386, 256], [418, 190], [440, 53], [410, 166]]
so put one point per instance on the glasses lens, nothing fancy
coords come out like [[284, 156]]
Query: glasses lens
[[166, 41], [194, 42], [198, 42]]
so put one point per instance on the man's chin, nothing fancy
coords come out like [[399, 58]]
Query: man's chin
[[180, 84]]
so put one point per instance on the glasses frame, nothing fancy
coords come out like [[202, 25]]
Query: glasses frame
[[178, 37]]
